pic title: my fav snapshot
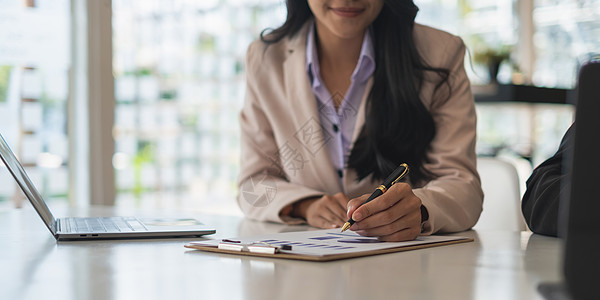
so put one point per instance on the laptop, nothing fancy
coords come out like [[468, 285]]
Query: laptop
[[99, 227]]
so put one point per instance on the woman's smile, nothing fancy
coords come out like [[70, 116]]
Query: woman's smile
[[347, 12]]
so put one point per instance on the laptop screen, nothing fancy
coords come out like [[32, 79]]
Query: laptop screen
[[16, 169]]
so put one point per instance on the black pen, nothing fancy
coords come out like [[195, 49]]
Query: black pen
[[398, 174]]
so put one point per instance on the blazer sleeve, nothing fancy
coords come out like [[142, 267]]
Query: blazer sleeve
[[264, 189], [541, 199], [454, 198]]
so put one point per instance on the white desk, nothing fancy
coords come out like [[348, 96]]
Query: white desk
[[498, 265]]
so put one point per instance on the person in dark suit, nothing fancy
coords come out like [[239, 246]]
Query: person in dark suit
[[541, 199]]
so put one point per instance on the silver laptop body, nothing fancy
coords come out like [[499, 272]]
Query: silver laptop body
[[98, 227]]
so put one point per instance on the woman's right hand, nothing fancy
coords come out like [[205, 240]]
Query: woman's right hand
[[328, 211]]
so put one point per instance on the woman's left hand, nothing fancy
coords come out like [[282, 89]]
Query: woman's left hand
[[393, 217]]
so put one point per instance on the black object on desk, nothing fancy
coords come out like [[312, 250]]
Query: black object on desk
[[579, 212]]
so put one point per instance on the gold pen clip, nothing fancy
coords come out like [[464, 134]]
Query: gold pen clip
[[401, 175]]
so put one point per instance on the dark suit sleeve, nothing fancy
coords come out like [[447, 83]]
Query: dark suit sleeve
[[541, 199]]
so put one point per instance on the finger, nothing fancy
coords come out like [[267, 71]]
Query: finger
[[408, 234], [354, 204], [407, 208], [412, 220], [339, 210], [342, 200], [322, 222], [319, 215], [336, 214], [338, 205], [331, 212], [395, 196]]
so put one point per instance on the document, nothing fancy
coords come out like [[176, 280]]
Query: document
[[329, 244]]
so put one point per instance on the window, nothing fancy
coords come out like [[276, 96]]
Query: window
[[567, 34], [563, 33], [484, 25], [34, 89], [179, 86]]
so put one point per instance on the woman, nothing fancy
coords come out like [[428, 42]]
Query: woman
[[340, 95]]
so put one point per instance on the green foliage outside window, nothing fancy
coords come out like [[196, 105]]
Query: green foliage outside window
[[4, 81], [144, 156]]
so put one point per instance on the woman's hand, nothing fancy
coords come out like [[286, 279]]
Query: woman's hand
[[324, 212], [393, 217]]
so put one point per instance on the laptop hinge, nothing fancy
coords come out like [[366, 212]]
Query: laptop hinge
[[55, 226]]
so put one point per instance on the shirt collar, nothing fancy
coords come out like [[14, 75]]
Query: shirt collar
[[364, 67]]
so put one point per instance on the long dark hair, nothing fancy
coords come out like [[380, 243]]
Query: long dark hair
[[398, 128]]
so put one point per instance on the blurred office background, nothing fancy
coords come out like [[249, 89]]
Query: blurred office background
[[135, 102]]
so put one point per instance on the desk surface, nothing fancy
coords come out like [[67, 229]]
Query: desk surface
[[498, 265]]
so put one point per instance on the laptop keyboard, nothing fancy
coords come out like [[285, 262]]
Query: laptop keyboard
[[111, 224]]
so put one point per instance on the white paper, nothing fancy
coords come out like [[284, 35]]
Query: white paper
[[330, 242]]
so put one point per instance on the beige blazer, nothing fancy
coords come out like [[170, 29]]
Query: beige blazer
[[283, 153]]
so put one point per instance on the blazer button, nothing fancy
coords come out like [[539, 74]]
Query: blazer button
[[335, 128], [340, 173]]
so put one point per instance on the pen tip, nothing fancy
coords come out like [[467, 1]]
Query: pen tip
[[346, 226]]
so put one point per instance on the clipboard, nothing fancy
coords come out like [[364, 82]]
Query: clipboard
[[318, 245]]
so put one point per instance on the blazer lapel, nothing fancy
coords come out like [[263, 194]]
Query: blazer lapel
[[305, 116]]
